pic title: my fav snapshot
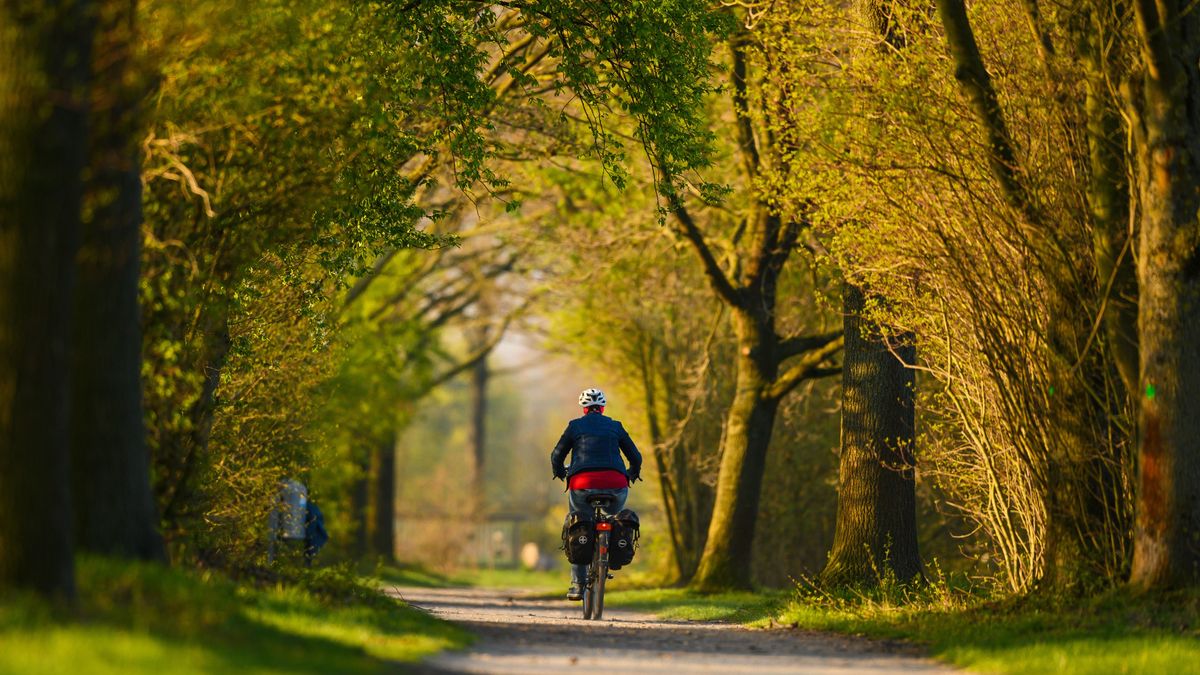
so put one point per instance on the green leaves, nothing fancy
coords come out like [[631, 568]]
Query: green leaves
[[647, 60]]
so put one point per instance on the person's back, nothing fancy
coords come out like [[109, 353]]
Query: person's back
[[596, 445]]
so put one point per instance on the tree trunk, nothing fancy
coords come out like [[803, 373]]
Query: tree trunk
[[383, 499], [182, 454], [360, 499], [114, 507], [662, 454], [726, 560], [876, 529], [45, 57], [1108, 200], [1167, 145], [478, 432]]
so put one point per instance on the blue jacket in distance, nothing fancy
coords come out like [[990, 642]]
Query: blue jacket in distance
[[595, 442]]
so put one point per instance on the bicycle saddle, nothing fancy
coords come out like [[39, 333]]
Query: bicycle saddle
[[603, 501]]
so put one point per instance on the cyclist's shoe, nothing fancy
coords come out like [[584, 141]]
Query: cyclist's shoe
[[575, 592]]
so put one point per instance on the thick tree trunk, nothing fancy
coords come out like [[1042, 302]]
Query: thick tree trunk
[[45, 51], [876, 529], [726, 560], [383, 499], [114, 507], [1167, 143]]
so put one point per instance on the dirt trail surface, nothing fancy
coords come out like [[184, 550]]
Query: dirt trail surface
[[522, 635]]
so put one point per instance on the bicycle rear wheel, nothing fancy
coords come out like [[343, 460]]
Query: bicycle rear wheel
[[587, 595], [589, 599], [601, 576]]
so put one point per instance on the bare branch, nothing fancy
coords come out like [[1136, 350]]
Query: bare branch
[[361, 285], [479, 354], [716, 275], [799, 344], [808, 367]]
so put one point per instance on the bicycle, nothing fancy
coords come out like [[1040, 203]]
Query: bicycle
[[593, 592]]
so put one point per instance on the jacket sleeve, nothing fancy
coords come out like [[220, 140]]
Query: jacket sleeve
[[558, 456], [631, 453]]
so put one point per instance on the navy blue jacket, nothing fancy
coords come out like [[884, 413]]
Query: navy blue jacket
[[595, 442]]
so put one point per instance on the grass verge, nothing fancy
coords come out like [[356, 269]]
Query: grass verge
[[1118, 632], [529, 580], [678, 604], [140, 618]]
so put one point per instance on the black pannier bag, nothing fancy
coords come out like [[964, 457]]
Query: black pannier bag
[[579, 538], [624, 539]]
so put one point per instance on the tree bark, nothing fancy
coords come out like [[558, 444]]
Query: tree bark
[[667, 480], [749, 423], [360, 499], [45, 63], [480, 374], [114, 506], [383, 499], [976, 83], [876, 529], [1167, 146]]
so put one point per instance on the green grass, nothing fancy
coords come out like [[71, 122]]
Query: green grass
[[529, 580], [137, 618], [679, 604], [1114, 633], [1118, 632]]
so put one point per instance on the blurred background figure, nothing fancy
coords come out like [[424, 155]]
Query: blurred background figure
[[287, 523]]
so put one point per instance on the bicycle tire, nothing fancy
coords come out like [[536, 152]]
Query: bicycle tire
[[601, 577], [587, 596], [590, 583]]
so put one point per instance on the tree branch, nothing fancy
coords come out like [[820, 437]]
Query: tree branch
[[741, 111], [808, 367], [796, 345], [1156, 44], [977, 85], [716, 275], [479, 354], [361, 285]]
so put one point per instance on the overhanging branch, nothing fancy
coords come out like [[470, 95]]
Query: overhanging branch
[[716, 275], [481, 353]]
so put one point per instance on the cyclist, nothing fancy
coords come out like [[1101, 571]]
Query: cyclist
[[595, 443]]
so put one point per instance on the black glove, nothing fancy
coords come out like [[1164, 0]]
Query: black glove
[[559, 472], [634, 476]]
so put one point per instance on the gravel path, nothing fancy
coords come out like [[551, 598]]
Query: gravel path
[[522, 635]]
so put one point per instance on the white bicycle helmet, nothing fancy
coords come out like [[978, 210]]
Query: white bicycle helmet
[[592, 397]]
